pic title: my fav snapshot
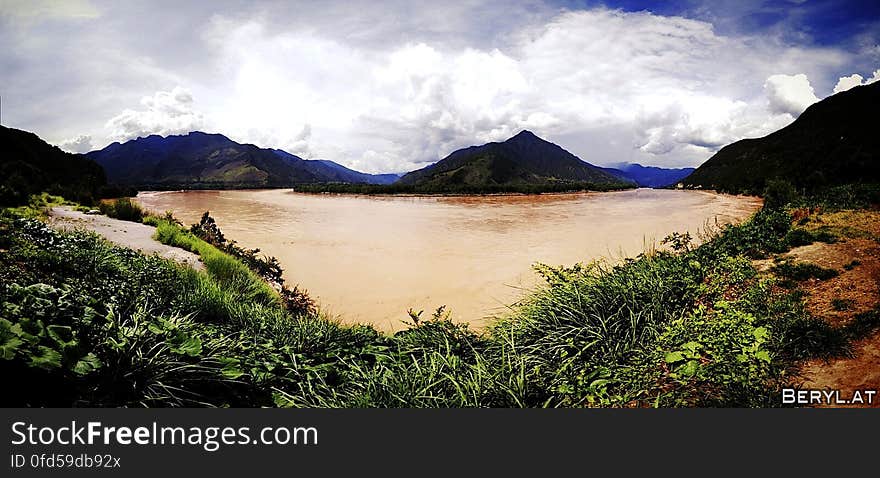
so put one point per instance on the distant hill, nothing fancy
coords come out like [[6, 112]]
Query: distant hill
[[524, 159], [649, 176], [29, 165], [200, 160], [833, 142], [335, 172]]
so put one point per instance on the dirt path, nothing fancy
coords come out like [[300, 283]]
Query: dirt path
[[856, 256], [124, 233]]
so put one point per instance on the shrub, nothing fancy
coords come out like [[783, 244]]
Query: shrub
[[122, 208], [802, 271], [778, 193], [801, 237], [764, 233]]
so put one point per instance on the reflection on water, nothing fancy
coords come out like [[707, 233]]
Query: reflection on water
[[369, 259]]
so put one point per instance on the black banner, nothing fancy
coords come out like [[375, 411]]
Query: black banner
[[244, 442]]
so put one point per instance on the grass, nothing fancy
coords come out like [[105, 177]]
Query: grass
[[231, 273], [84, 322], [801, 271], [87, 323], [38, 205], [122, 208]]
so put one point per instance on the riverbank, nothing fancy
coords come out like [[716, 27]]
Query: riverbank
[[460, 190], [844, 300], [696, 325], [138, 237]]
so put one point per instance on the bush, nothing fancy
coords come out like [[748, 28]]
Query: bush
[[779, 193], [802, 271], [802, 237], [764, 233], [122, 208]]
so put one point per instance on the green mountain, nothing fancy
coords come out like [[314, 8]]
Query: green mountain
[[202, 160], [29, 165], [524, 159], [833, 142]]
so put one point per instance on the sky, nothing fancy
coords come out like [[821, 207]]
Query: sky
[[392, 86]]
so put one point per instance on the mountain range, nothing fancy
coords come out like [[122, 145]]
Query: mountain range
[[202, 160], [649, 176], [524, 159], [833, 142]]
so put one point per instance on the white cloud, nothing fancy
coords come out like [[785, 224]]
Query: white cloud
[[392, 88], [790, 94], [675, 90], [164, 113], [79, 144], [848, 82], [49, 9]]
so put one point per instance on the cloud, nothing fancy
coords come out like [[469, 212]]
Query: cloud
[[790, 94], [79, 144], [675, 90], [392, 88], [30, 9], [300, 143], [164, 113], [848, 82]]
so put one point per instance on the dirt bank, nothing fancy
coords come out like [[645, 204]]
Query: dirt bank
[[856, 256], [124, 233]]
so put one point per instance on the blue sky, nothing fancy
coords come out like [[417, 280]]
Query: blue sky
[[820, 22], [392, 86]]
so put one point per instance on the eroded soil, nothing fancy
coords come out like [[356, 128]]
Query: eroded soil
[[856, 256]]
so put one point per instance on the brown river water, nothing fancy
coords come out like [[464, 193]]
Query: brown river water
[[369, 259]]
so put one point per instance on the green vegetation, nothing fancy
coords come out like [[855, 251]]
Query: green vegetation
[[37, 206], [224, 269], [518, 162], [88, 323], [232, 264], [801, 271], [799, 236], [122, 208], [829, 150], [29, 166]]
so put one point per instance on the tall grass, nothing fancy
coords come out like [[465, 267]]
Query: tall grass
[[122, 208], [230, 273]]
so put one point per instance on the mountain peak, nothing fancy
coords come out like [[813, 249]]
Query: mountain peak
[[524, 134], [520, 160]]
